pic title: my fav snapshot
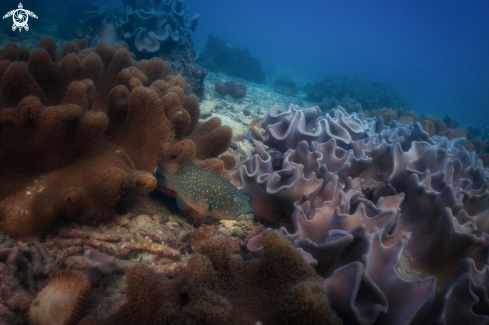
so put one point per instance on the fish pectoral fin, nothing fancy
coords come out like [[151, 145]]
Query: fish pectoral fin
[[164, 175], [210, 215], [181, 204], [206, 219], [213, 214]]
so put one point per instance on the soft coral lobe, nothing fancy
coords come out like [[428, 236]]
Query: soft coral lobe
[[81, 131]]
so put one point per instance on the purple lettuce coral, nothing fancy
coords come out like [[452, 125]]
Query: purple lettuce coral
[[147, 26], [396, 221]]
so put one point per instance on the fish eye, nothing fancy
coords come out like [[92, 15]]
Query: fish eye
[[235, 199]]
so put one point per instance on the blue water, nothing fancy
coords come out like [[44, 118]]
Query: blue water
[[429, 51], [435, 53]]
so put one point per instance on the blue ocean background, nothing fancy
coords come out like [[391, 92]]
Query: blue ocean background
[[432, 52], [435, 53]]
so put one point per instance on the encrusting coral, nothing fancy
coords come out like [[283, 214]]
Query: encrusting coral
[[393, 219], [82, 129], [279, 288]]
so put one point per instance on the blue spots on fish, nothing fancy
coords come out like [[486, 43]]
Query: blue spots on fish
[[205, 192]]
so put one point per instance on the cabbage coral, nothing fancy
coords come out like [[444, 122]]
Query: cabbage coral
[[394, 220]]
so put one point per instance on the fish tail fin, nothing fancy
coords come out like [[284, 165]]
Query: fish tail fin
[[164, 175]]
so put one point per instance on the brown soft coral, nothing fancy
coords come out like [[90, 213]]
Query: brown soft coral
[[387, 114], [151, 299], [479, 146], [454, 133], [55, 164], [279, 288], [211, 139], [429, 127], [204, 233], [87, 189], [82, 130], [439, 125], [11, 52], [152, 125], [409, 116]]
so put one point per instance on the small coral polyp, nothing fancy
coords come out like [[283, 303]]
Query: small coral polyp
[[81, 131], [394, 220]]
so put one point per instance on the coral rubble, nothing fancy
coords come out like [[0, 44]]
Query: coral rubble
[[104, 251], [279, 288], [224, 58], [72, 127], [395, 220]]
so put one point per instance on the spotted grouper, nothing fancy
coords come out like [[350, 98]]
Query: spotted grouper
[[205, 192]]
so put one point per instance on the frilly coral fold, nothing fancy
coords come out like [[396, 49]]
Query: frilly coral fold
[[147, 26], [386, 213]]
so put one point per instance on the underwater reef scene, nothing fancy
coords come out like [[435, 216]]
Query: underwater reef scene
[[394, 220], [147, 26], [145, 182], [150, 28], [356, 94], [222, 57], [81, 131]]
